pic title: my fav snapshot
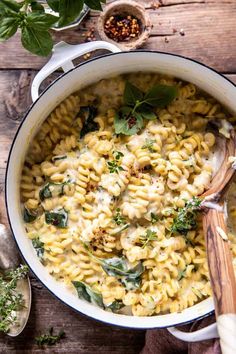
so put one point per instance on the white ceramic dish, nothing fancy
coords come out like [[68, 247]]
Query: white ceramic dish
[[74, 79]]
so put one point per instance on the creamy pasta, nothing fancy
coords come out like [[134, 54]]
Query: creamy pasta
[[116, 217]]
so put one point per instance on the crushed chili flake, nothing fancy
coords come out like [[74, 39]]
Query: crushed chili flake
[[122, 28], [132, 121]]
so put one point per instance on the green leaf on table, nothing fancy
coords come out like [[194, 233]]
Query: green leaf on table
[[132, 94], [69, 10], [37, 42], [40, 21], [8, 27], [85, 292], [35, 6], [50, 338], [54, 4], [160, 95], [57, 218], [94, 4], [11, 5]]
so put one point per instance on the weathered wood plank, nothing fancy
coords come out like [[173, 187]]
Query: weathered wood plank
[[210, 35]]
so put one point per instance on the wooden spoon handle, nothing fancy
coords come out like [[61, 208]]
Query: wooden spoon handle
[[222, 278]]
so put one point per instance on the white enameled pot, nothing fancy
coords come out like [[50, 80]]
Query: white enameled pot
[[74, 79]]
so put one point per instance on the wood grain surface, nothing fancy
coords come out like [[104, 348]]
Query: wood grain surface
[[209, 29]]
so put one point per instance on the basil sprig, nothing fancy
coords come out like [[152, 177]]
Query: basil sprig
[[139, 106], [34, 23]]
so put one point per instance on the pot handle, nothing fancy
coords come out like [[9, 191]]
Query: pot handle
[[206, 333], [62, 57]]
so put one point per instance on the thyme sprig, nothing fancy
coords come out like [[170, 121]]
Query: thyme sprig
[[186, 218], [11, 300], [49, 338]]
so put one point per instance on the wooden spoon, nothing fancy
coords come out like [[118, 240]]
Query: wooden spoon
[[219, 256]]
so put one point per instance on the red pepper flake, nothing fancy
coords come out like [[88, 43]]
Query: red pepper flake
[[131, 122], [122, 28]]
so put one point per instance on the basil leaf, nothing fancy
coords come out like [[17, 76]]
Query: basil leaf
[[94, 4], [8, 27], [39, 247], [29, 215], [115, 306], [88, 113], [160, 95], [57, 218], [52, 190], [40, 21], [69, 10], [37, 42], [132, 94], [147, 114], [128, 125], [11, 5], [54, 4], [35, 6], [118, 267], [85, 292]]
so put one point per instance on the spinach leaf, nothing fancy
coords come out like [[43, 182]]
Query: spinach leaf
[[154, 218], [88, 113], [39, 247], [87, 293], [57, 218], [94, 4], [115, 305], [29, 215]]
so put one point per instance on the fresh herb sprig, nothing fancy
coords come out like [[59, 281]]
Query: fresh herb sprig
[[30, 18], [139, 106], [11, 300], [119, 218], [149, 145], [145, 240], [114, 166], [186, 217], [49, 338]]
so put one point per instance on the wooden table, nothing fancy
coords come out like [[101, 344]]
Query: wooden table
[[203, 30]]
